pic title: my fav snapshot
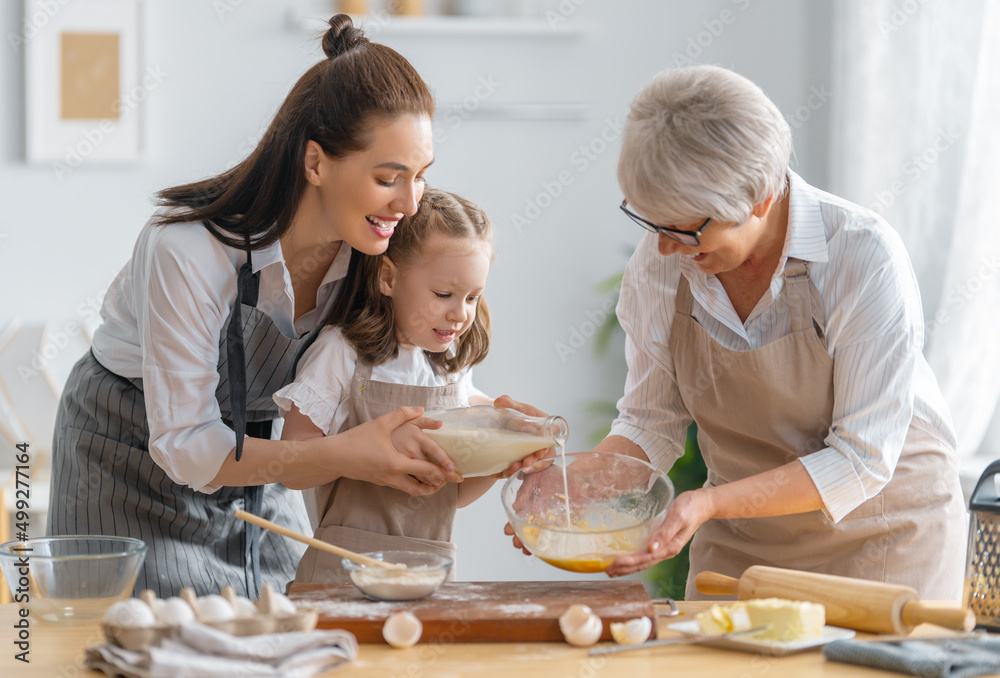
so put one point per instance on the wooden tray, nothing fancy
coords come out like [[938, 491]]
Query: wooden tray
[[461, 612]]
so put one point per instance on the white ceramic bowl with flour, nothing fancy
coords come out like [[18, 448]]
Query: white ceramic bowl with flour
[[422, 575]]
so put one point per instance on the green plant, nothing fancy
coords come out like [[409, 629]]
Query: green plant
[[668, 577]]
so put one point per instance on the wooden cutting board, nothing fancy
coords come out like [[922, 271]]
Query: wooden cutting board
[[479, 611]]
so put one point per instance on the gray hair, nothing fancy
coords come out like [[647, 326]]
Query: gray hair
[[701, 142]]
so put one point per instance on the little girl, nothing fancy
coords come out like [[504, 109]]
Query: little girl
[[407, 336]]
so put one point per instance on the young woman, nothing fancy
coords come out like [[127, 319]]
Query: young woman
[[205, 321]]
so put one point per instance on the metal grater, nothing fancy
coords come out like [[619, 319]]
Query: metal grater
[[982, 571]]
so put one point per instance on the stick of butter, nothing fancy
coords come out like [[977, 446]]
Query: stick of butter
[[721, 619], [789, 620]]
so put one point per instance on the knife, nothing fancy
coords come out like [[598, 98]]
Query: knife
[[683, 640]]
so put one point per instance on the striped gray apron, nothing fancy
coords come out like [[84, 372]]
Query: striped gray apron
[[104, 480]]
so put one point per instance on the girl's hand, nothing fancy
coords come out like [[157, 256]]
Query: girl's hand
[[535, 461], [544, 455], [393, 451], [688, 512], [410, 440], [523, 408]]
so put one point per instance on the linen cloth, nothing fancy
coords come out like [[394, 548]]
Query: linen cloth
[[199, 651]]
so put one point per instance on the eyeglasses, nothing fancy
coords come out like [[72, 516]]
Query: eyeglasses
[[689, 238]]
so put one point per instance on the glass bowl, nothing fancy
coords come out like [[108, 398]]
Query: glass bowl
[[423, 574], [71, 579], [615, 503]]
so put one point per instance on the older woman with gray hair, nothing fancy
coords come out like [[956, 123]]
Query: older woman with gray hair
[[786, 323]]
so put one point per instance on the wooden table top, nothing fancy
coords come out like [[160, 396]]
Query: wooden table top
[[57, 651]]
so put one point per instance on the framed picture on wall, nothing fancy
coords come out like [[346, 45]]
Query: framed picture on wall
[[83, 94]]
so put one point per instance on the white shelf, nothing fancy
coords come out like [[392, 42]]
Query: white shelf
[[387, 25]]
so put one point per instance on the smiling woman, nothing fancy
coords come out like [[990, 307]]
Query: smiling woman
[[362, 196], [790, 332], [228, 282]]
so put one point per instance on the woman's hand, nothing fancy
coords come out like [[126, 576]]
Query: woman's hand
[[508, 529], [780, 491], [392, 451], [688, 512], [543, 488], [534, 495]]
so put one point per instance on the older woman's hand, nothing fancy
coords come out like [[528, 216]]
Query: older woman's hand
[[688, 512], [535, 461]]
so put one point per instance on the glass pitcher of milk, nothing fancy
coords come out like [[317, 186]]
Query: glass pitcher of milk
[[483, 439]]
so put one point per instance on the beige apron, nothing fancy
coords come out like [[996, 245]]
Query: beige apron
[[760, 409], [361, 516]]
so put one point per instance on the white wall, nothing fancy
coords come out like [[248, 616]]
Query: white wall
[[61, 241]]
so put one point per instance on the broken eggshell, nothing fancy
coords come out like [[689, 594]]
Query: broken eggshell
[[402, 630], [631, 632], [580, 626]]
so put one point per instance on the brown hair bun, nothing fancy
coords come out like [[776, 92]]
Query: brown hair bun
[[342, 36]]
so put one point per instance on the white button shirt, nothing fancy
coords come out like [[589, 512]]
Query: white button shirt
[[163, 319], [874, 333]]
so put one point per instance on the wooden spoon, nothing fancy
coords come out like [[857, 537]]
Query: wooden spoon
[[315, 543]]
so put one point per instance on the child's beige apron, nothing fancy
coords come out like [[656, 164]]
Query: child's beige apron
[[759, 409], [361, 516]]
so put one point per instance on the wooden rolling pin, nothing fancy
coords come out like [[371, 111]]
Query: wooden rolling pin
[[850, 603]]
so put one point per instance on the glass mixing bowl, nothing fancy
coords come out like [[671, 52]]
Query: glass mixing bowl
[[71, 579], [615, 503]]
